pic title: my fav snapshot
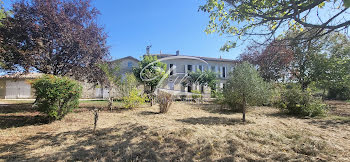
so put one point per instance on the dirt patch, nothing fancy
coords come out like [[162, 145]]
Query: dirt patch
[[188, 132]]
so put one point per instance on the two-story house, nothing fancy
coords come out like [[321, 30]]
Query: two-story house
[[182, 65]]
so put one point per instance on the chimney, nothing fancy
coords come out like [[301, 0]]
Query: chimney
[[177, 53], [220, 56], [148, 48], [160, 52]]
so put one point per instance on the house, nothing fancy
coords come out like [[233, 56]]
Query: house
[[183, 64], [17, 86]]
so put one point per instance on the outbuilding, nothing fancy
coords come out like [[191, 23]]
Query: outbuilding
[[17, 86]]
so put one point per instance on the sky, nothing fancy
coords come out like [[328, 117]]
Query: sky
[[167, 25]]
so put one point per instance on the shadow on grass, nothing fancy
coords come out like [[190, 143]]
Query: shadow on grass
[[149, 113], [334, 123], [16, 108], [215, 108], [21, 120], [127, 142], [212, 121]]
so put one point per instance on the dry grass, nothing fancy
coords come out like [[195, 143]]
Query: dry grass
[[188, 132]]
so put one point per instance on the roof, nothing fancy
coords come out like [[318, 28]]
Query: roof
[[204, 58], [21, 76], [128, 57]]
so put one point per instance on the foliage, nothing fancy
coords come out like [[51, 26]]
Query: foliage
[[134, 99], [267, 18], [56, 37], [196, 95], [301, 103], [165, 100], [126, 84], [273, 60], [331, 70], [339, 92], [150, 72], [205, 78], [56, 96], [245, 86], [304, 54]]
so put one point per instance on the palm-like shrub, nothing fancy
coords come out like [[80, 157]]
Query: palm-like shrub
[[165, 100]]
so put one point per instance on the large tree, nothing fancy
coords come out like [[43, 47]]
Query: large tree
[[248, 19], [273, 60], [150, 72], [331, 69], [59, 37]]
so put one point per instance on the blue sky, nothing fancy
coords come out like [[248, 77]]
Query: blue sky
[[166, 25]]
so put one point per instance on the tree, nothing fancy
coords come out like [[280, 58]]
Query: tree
[[111, 79], [150, 72], [273, 60], [205, 78], [126, 84], [304, 56], [268, 18], [331, 69], [59, 37], [246, 87], [3, 14]]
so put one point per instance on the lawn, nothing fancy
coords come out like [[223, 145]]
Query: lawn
[[188, 132]]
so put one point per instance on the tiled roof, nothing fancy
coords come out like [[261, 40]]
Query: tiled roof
[[21, 76], [128, 57], [204, 58]]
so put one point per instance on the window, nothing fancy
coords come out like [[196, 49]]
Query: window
[[189, 68], [189, 88], [171, 70], [200, 67], [224, 72], [213, 68], [129, 64]]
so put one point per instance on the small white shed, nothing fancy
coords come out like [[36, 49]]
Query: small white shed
[[17, 86]]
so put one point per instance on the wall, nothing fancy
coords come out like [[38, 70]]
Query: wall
[[2, 88]]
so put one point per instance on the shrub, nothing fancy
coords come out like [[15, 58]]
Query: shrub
[[134, 99], [297, 102], [56, 96], [231, 103], [165, 100], [339, 93], [196, 95], [183, 97]]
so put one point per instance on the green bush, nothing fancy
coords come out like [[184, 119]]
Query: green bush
[[196, 95], [297, 102], [56, 96], [225, 102], [134, 99], [339, 93]]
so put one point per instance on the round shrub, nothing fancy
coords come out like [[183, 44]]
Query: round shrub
[[299, 103], [134, 99], [56, 96]]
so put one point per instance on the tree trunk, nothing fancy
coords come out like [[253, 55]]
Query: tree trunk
[[110, 103], [244, 108]]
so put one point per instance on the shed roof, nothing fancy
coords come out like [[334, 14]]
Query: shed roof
[[21, 76]]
